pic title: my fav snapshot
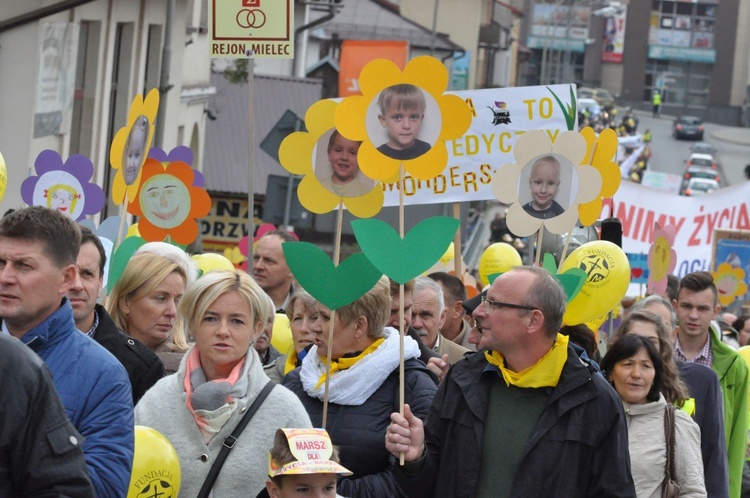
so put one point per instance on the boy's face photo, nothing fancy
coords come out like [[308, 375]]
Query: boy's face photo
[[134, 153], [402, 125], [343, 159], [543, 182], [304, 486]]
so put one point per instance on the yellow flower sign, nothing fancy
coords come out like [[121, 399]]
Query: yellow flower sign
[[730, 283], [328, 163], [403, 118], [131, 144]]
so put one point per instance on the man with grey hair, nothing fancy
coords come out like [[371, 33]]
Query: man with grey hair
[[428, 316], [527, 417], [703, 385]]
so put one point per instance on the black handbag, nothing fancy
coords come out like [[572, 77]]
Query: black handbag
[[230, 441], [670, 489]]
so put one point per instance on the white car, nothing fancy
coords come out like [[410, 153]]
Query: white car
[[700, 186], [591, 105], [702, 160]]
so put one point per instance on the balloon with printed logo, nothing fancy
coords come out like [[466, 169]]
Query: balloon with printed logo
[[497, 258], [449, 254], [282, 334], [156, 468], [607, 278]]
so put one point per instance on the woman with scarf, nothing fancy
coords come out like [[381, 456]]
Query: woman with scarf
[[636, 370], [363, 388], [218, 380]]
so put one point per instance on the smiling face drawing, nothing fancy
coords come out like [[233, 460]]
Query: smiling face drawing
[[165, 201], [63, 198]]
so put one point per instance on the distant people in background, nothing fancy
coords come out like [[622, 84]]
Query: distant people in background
[[742, 325], [142, 365], [499, 229], [302, 313], [270, 269], [40, 450], [268, 354], [656, 103], [544, 181], [428, 318]]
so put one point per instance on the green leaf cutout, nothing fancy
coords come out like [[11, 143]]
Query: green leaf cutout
[[120, 259], [334, 286], [404, 259], [572, 280]]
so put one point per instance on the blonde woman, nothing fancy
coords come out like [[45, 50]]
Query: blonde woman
[[218, 380], [143, 304]]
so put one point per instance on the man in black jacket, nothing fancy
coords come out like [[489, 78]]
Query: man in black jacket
[[143, 366], [40, 450], [526, 417]]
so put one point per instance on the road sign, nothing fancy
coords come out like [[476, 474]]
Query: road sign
[[257, 29]]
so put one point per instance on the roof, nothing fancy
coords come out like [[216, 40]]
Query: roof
[[370, 20], [225, 158]]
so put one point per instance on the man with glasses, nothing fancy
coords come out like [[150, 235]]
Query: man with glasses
[[524, 417]]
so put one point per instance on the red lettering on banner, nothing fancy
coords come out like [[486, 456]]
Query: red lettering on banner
[[743, 223]]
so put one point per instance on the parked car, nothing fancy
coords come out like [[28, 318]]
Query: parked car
[[703, 148], [585, 93], [688, 127], [699, 186], [604, 98], [702, 160]]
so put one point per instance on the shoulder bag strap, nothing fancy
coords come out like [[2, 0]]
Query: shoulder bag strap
[[230, 441], [671, 440]]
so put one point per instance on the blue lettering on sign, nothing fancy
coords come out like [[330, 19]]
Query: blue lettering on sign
[[689, 266]]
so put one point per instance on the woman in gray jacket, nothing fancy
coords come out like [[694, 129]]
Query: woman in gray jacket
[[218, 379]]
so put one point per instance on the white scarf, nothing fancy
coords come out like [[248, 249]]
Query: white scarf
[[356, 384]]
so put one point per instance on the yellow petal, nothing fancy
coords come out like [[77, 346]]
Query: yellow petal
[[378, 74], [374, 164], [606, 147], [428, 73], [295, 153], [319, 118], [588, 213], [315, 197], [367, 205], [151, 105], [430, 164], [456, 117], [350, 117]]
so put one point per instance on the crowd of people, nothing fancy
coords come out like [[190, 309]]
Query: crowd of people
[[501, 399]]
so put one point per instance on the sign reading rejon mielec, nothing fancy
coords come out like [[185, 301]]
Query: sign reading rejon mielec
[[252, 29]]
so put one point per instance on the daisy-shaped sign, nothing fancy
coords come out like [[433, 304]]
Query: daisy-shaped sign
[[403, 118], [168, 202], [64, 187], [329, 165], [131, 144], [730, 283], [547, 184]]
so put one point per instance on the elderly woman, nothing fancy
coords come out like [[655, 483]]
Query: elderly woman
[[363, 390], [218, 379], [636, 370], [302, 314], [143, 303]]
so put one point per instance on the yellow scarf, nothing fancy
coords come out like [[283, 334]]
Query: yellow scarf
[[291, 362], [344, 363], [544, 373]]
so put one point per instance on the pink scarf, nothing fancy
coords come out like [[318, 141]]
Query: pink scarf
[[209, 395]]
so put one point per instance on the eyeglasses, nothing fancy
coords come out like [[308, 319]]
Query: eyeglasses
[[488, 305]]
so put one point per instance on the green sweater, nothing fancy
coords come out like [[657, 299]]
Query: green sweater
[[733, 378], [512, 414]]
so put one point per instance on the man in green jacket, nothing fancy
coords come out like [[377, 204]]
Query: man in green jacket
[[696, 306]]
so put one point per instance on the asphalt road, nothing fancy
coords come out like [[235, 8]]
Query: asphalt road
[[668, 155]]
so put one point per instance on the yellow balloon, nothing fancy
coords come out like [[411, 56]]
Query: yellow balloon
[[133, 231], [156, 467], [211, 261], [3, 177], [497, 258], [449, 255], [282, 334], [608, 276]]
